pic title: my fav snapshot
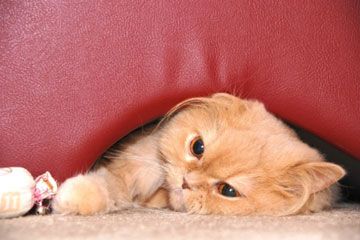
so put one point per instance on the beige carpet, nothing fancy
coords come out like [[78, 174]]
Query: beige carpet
[[340, 223]]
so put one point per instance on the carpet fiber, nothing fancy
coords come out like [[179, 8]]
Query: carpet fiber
[[342, 222]]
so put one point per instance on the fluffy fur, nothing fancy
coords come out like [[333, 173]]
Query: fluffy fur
[[246, 147]]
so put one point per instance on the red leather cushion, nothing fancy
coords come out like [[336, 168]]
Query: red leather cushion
[[77, 76]]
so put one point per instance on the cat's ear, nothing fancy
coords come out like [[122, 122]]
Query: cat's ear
[[191, 102], [199, 102], [312, 176], [225, 97], [203, 102]]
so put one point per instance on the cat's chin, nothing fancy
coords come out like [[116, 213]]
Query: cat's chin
[[177, 200]]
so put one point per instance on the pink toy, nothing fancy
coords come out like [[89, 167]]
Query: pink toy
[[19, 192]]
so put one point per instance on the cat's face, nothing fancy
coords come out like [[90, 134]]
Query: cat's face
[[225, 155]]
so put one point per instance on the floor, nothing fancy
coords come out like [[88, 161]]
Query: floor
[[342, 222]]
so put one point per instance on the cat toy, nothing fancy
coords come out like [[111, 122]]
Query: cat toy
[[20, 192]]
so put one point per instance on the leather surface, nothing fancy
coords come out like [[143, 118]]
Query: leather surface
[[78, 75]]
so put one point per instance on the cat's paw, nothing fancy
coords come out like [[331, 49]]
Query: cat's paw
[[82, 195]]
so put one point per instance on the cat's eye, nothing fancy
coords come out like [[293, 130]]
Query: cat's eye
[[227, 190], [197, 147]]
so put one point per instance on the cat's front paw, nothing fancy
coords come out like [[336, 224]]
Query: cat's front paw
[[82, 195]]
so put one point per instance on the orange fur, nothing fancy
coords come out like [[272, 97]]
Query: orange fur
[[245, 146]]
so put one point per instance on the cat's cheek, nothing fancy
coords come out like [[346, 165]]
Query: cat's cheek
[[194, 202]]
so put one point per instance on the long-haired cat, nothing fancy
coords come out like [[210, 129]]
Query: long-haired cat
[[211, 155]]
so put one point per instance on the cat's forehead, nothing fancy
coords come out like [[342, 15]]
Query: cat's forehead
[[245, 140], [231, 151], [242, 152]]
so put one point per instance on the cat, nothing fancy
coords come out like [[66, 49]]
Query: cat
[[209, 155]]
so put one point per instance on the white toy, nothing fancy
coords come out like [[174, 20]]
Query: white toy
[[19, 191]]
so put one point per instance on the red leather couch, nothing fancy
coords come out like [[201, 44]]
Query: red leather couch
[[78, 75]]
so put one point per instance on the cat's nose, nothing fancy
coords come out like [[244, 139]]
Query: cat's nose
[[185, 185]]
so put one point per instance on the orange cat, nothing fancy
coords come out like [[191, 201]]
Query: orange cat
[[215, 155]]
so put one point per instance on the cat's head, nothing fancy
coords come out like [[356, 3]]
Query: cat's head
[[226, 155]]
